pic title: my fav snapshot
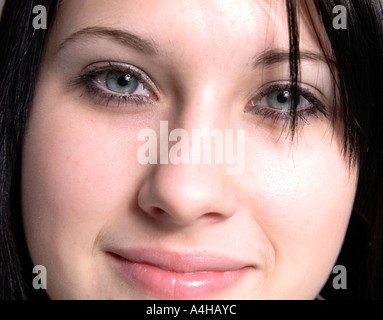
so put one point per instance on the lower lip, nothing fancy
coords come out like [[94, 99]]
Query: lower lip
[[165, 284]]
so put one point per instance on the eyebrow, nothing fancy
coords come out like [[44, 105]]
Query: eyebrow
[[120, 36], [266, 59], [272, 57]]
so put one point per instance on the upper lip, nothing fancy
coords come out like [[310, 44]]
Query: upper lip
[[182, 263]]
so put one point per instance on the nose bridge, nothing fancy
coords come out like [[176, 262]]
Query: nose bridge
[[207, 103], [206, 80], [190, 179], [201, 127]]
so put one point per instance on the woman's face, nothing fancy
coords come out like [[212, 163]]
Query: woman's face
[[264, 217]]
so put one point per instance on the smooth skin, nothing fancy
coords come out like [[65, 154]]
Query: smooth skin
[[84, 192]]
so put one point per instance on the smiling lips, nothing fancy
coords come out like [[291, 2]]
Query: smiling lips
[[173, 276]]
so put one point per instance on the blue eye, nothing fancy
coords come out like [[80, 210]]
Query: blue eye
[[117, 84], [275, 101], [121, 82], [281, 100], [125, 83]]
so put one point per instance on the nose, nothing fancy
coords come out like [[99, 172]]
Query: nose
[[182, 194]]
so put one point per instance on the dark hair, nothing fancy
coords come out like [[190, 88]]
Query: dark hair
[[358, 52], [20, 54]]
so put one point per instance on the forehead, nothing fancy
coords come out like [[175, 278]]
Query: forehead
[[227, 25]]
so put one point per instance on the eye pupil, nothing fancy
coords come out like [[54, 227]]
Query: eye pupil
[[124, 80], [283, 97]]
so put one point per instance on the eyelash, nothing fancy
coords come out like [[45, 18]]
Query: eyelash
[[103, 96], [302, 115]]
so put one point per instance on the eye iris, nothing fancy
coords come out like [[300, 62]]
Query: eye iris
[[279, 100], [121, 82]]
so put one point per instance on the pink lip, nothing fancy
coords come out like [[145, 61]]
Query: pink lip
[[173, 276]]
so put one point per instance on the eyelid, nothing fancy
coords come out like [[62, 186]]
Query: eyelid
[[96, 69], [96, 90], [278, 86], [286, 85]]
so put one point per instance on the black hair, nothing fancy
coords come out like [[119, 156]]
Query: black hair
[[20, 54], [358, 53]]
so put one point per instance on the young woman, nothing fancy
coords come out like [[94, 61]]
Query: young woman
[[289, 87]]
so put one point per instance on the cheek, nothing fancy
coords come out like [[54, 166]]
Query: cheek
[[78, 173], [75, 168], [302, 198]]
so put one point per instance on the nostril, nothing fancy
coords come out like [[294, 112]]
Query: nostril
[[155, 211], [213, 215]]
